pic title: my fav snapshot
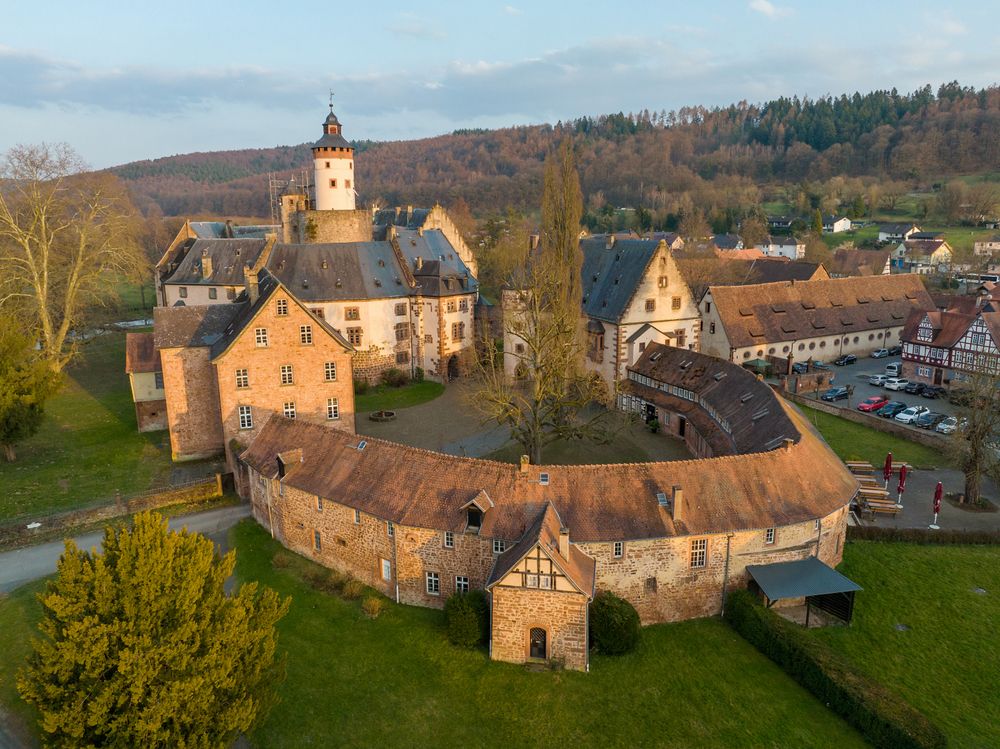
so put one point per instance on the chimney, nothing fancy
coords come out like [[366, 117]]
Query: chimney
[[206, 265], [677, 504], [609, 241], [564, 543], [229, 229], [525, 462], [253, 287], [788, 443], [418, 262]]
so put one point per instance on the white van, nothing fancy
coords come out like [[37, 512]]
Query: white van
[[893, 370]]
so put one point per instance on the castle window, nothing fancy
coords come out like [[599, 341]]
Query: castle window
[[317, 541], [319, 503], [158, 380], [402, 357], [354, 336], [281, 307], [330, 371], [675, 303], [699, 552], [286, 374], [213, 293], [333, 183], [499, 546], [318, 312], [450, 307], [463, 305], [332, 409], [619, 549], [531, 581], [246, 417], [242, 379], [260, 337], [357, 517], [183, 292], [230, 294], [306, 334], [711, 329], [769, 536], [662, 282], [328, 165], [402, 331], [289, 410], [433, 583], [449, 540], [390, 529], [461, 584], [458, 331], [386, 569], [650, 305], [708, 307], [401, 309], [352, 313]]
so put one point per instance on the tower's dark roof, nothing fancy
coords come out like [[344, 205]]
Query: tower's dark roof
[[331, 119]]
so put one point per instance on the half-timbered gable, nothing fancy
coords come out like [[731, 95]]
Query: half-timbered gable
[[943, 346]]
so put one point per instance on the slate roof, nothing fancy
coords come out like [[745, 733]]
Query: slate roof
[[420, 488], [229, 230], [195, 326], [896, 228], [799, 578], [338, 272], [765, 313], [408, 217], [726, 241], [610, 276], [852, 262], [141, 355], [700, 273], [579, 568], [228, 256]]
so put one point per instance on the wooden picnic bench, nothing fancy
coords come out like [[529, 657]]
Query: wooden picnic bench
[[881, 506], [867, 481]]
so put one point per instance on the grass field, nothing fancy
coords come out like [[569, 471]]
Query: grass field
[[856, 442], [88, 446], [947, 663], [383, 397]]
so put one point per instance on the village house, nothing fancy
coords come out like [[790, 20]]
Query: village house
[[672, 238], [809, 319], [669, 537], [728, 242], [950, 345], [986, 247], [145, 377], [836, 224], [847, 261], [780, 223], [783, 246], [923, 256], [896, 232]]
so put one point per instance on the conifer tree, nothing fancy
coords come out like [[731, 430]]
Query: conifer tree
[[141, 646]]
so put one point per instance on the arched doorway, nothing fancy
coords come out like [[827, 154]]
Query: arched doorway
[[453, 367], [537, 645]]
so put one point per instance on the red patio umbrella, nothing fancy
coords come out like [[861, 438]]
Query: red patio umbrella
[[901, 487], [938, 491], [887, 469]]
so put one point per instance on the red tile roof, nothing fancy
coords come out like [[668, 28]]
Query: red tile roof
[[141, 354]]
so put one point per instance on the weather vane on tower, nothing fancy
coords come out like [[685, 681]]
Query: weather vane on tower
[[331, 100]]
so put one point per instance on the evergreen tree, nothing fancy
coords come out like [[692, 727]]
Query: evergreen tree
[[141, 646], [562, 208], [817, 225], [26, 382]]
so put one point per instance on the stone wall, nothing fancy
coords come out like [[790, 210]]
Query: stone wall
[[422, 550], [192, 395], [316, 227], [151, 416], [563, 616]]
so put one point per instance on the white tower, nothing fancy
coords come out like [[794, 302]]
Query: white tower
[[333, 160]]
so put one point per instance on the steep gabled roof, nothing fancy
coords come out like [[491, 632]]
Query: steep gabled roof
[[141, 355], [227, 258], [345, 271], [853, 262], [610, 277]]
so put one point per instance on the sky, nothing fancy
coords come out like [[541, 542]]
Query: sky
[[122, 81]]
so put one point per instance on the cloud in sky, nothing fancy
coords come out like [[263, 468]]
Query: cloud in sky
[[510, 10], [767, 8]]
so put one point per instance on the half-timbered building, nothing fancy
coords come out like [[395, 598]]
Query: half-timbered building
[[943, 346]]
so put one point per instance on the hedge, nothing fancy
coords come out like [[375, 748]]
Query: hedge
[[921, 535], [885, 719], [614, 624], [467, 618]]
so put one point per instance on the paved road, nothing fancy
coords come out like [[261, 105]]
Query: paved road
[[24, 565]]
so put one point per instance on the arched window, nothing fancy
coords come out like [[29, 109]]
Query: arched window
[[812, 345], [537, 643]]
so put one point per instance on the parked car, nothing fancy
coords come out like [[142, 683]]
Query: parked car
[[817, 364], [873, 404], [933, 391], [895, 350], [929, 419], [909, 415], [841, 361], [799, 368], [877, 379], [891, 408], [893, 370], [896, 383], [880, 353], [835, 394], [949, 425], [915, 388]]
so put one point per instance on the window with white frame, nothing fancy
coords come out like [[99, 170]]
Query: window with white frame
[[319, 503], [317, 541], [499, 546], [289, 410], [769, 536], [386, 569], [242, 378], [619, 549], [699, 552], [306, 335], [246, 417], [281, 307], [390, 529], [433, 583], [461, 584], [449, 540], [357, 517], [330, 371], [545, 582], [531, 580], [260, 337], [286, 374], [332, 409]]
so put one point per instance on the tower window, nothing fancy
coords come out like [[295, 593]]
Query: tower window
[[333, 183], [347, 184], [328, 165]]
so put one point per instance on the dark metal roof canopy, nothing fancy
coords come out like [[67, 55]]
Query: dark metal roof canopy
[[804, 577]]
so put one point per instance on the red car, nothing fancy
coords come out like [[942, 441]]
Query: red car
[[874, 403]]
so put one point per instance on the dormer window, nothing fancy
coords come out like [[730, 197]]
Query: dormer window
[[474, 518]]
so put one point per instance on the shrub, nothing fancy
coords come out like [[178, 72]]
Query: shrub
[[465, 614], [281, 559], [614, 624], [373, 606], [394, 377], [352, 589], [884, 718], [921, 535], [360, 387], [418, 374], [481, 604]]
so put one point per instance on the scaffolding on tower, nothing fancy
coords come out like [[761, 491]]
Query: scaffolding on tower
[[277, 186]]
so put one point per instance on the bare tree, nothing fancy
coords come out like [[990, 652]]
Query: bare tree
[[974, 444], [66, 239]]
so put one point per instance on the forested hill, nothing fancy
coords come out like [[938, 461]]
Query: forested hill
[[630, 159]]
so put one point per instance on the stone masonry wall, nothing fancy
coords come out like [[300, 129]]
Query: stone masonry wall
[[331, 226], [421, 550], [563, 616], [192, 396]]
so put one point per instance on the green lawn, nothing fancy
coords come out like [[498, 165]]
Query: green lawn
[[88, 446], [19, 611], [947, 663], [857, 442], [383, 397]]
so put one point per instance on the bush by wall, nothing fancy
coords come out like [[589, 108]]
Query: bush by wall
[[462, 620], [885, 719], [614, 624], [921, 535], [395, 378]]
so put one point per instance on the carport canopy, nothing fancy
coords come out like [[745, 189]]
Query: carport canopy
[[820, 585]]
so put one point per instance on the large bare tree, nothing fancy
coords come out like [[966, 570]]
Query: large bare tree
[[974, 445], [66, 239]]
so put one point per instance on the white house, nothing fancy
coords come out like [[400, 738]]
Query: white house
[[987, 247], [896, 232], [782, 246], [836, 224]]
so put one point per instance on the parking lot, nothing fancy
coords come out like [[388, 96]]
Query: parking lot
[[857, 374]]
